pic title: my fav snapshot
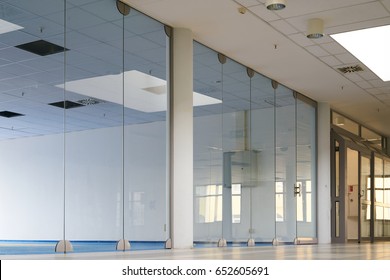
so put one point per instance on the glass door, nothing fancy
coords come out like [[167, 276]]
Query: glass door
[[286, 187], [338, 188], [305, 188], [364, 199]]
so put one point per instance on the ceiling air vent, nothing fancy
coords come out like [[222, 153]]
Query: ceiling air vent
[[350, 69], [89, 101]]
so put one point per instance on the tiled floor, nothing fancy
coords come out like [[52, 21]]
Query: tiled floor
[[364, 251]]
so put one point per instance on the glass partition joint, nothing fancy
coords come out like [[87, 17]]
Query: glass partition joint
[[63, 246], [168, 244], [123, 245], [251, 242], [222, 242]]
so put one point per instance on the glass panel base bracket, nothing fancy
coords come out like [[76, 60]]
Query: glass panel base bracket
[[63, 246], [222, 242], [168, 244], [123, 245], [251, 242]]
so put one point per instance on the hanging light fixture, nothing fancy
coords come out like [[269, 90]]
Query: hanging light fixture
[[275, 5], [315, 28]]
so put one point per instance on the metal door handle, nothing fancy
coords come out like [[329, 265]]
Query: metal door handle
[[297, 189]]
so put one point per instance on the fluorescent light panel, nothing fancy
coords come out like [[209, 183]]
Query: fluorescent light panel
[[371, 46], [6, 26], [143, 92]]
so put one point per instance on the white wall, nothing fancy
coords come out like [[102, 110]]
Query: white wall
[[32, 183]]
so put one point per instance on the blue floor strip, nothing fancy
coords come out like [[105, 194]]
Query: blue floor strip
[[48, 247]]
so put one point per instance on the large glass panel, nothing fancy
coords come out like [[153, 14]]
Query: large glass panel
[[116, 133], [372, 138], [386, 199], [208, 154], [345, 123], [352, 195], [285, 150], [263, 145], [145, 109], [337, 168], [379, 197], [240, 162], [365, 201], [31, 130], [306, 171], [94, 132]]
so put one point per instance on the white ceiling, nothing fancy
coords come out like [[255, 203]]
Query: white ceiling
[[274, 44]]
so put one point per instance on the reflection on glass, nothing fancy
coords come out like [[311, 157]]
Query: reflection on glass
[[345, 123], [279, 201], [372, 138], [31, 130], [386, 199], [208, 149], [306, 171], [365, 197], [379, 199], [337, 168], [286, 160], [337, 219]]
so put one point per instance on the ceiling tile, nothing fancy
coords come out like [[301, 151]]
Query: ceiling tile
[[347, 58], [379, 83], [248, 3], [262, 12], [301, 39], [317, 51], [364, 84], [354, 77], [330, 60], [341, 16], [368, 74], [283, 27], [333, 48]]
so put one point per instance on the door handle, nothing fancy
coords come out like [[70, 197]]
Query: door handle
[[297, 189]]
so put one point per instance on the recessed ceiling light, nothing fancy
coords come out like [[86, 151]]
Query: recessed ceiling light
[[6, 26], [371, 46], [275, 5]]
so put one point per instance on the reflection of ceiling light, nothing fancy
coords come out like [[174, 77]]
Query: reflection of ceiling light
[[371, 46], [275, 5], [143, 92], [6, 27], [315, 28]]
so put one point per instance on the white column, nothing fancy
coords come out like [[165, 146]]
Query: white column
[[181, 138], [324, 198]]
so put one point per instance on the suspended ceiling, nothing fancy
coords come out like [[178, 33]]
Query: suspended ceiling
[[274, 44]]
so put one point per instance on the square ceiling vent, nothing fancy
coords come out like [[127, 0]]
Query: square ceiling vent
[[42, 48]]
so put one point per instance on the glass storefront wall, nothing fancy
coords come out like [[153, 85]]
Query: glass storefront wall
[[83, 102], [83, 105], [254, 156]]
